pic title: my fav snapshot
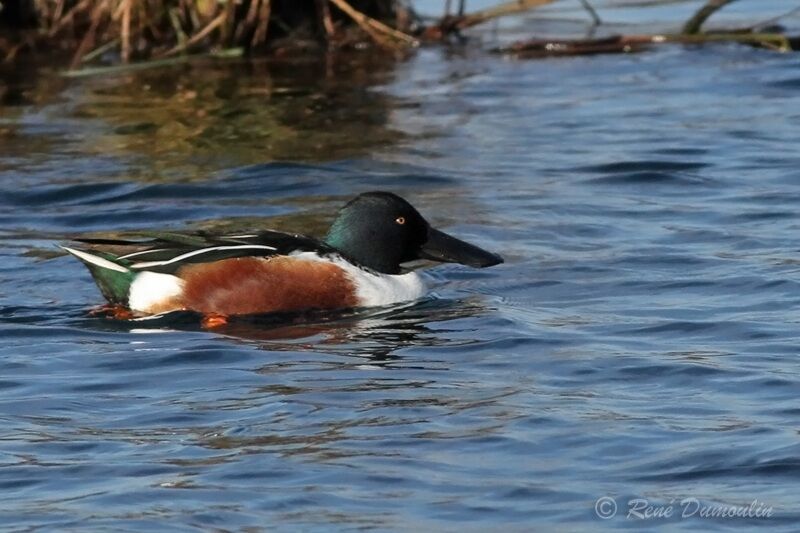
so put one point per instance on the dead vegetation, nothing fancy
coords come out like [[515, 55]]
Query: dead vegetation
[[130, 30], [123, 31]]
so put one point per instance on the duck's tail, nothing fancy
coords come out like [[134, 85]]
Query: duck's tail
[[111, 274]]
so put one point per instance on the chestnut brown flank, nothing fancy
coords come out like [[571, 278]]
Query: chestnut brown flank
[[249, 285]]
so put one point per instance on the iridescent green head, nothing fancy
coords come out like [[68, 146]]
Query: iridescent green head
[[380, 230]]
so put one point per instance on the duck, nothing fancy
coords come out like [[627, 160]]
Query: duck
[[359, 263]]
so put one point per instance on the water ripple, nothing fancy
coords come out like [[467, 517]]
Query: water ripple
[[639, 342]]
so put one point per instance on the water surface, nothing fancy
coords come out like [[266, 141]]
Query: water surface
[[641, 340]]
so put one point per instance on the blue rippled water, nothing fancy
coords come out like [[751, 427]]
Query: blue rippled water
[[640, 342]]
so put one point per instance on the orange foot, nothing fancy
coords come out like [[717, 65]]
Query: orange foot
[[213, 320], [112, 311]]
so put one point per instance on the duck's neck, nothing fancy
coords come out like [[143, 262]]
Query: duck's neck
[[361, 248]]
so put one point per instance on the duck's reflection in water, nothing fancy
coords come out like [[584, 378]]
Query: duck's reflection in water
[[331, 384], [375, 335], [332, 390]]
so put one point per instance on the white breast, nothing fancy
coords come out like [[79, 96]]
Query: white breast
[[374, 288]]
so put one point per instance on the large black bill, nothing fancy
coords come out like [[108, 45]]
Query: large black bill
[[446, 249]]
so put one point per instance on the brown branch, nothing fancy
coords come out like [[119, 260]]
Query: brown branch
[[636, 43], [616, 44], [693, 25]]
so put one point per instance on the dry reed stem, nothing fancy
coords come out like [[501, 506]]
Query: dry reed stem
[[117, 13], [197, 37], [228, 23], [13, 52], [381, 33], [175, 21], [89, 39], [125, 51], [57, 12], [100, 50], [500, 10], [325, 14], [144, 21], [252, 13], [264, 15], [66, 19], [248, 22]]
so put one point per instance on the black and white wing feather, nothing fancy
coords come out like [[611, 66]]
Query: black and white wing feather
[[167, 252]]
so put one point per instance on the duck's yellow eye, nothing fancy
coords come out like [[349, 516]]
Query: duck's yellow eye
[[400, 220]]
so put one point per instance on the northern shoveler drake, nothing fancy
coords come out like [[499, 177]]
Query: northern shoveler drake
[[358, 264]]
